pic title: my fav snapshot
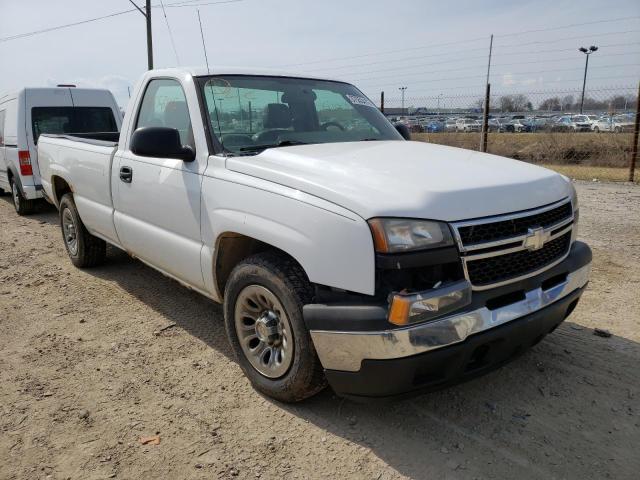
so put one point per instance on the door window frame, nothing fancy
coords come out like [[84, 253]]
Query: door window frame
[[135, 120]]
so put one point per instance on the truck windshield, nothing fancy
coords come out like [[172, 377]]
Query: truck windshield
[[59, 120], [251, 113]]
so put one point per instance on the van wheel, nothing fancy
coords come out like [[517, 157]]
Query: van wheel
[[84, 249], [263, 303], [21, 204]]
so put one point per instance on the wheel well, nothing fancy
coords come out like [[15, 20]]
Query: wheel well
[[231, 249], [60, 187]]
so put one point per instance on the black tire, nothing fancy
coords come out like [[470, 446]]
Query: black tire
[[89, 251], [21, 204], [284, 278]]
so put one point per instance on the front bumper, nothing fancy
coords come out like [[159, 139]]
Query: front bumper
[[374, 362]]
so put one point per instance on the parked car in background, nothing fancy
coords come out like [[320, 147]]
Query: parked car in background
[[623, 123], [603, 124], [379, 267], [30, 112], [467, 125], [519, 125], [573, 123], [496, 125], [450, 125], [434, 126]]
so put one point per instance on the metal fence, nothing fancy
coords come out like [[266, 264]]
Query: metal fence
[[542, 127]]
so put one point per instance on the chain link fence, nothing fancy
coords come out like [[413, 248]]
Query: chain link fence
[[590, 139]]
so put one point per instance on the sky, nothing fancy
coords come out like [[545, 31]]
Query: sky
[[437, 49]]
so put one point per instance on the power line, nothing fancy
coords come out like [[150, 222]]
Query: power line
[[447, 54], [578, 37], [508, 73], [571, 25], [417, 72], [335, 59], [103, 17], [385, 52], [476, 66], [546, 81]]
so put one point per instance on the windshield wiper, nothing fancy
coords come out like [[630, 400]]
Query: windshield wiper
[[283, 143]]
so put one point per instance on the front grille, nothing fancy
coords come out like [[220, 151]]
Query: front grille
[[500, 268], [500, 230]]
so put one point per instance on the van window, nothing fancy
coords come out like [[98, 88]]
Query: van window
[[1, 128], [72, 120]]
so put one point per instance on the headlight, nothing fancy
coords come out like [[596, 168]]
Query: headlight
[[393, 235], [574, 196]]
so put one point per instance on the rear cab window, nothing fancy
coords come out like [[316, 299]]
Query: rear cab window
[[69, 120]]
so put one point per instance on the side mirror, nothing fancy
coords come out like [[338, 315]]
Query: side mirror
[[403, 130], [160, 142]]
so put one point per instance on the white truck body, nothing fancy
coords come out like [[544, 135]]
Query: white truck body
[[314, 202], [27, 113]]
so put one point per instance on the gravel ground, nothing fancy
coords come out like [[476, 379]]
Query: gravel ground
[[93, 360]]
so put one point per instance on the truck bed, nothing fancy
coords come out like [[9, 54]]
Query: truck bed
[[84, 161]]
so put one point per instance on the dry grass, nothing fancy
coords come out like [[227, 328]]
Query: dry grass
[[578, 149], [587, 172]]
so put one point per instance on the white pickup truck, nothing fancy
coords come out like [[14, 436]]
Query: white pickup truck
[[343, 253]]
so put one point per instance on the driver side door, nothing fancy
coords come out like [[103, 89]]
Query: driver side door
[[157, 200]]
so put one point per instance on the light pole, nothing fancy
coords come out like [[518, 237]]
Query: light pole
[[439, 97], [402, 89], [587, 52]]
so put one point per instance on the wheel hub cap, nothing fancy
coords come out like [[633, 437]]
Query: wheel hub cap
[[264, 331], [69, 232], [267, 328]]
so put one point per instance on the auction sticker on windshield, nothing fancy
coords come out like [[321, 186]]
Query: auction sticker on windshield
[[356, 100]]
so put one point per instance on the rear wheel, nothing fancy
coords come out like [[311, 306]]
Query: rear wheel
[[84, 249], [20, 203], [263, 304]]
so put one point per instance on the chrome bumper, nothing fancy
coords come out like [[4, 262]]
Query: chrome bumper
[[346, 350]]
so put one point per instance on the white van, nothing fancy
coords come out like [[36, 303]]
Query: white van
[[29, 112]]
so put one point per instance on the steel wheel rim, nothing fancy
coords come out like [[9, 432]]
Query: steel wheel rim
[[69, 232], [264, 331], [16, 196]]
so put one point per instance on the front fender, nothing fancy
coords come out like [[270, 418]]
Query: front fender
[[333, 245]]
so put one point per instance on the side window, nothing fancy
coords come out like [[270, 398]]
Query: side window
[[1, 128], [164, 105]]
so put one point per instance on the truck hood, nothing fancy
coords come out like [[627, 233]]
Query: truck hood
[[407, 179]]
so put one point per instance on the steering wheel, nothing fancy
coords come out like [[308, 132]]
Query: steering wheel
[[326, 125]]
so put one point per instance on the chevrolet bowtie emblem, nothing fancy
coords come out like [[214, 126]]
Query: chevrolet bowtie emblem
[[535, 239]]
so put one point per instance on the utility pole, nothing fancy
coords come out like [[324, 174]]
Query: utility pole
[[587, 52], [382, 101], [149, 37], [636, 131], [402, 89], [147, 15]]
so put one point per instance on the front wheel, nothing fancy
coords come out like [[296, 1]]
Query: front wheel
[[84, 249], [263, 303], [20, 203]]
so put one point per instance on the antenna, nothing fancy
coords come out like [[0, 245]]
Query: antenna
[[204, 47]]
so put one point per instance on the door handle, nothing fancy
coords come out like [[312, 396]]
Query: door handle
[[126, 174]]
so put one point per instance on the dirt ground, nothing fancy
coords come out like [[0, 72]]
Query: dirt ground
[[86, 370]]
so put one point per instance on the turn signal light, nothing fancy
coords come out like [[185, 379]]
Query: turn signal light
[[419, 307], [24, 159]]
